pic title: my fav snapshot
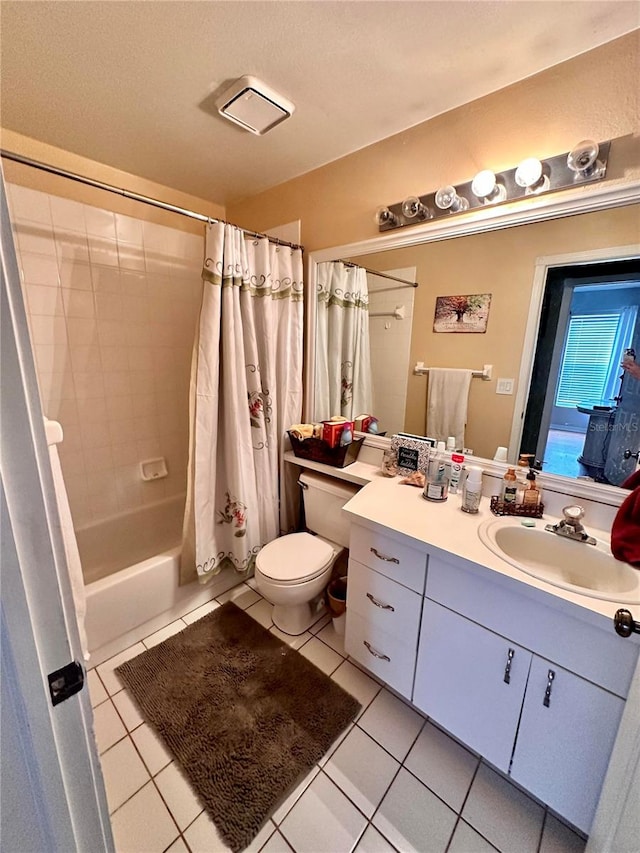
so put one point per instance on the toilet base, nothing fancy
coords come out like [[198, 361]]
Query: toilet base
[[295, 619]]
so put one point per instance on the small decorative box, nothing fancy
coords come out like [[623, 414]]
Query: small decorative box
[[412, 452], [332, 430]]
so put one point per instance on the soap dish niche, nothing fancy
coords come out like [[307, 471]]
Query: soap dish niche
[[154, 469]]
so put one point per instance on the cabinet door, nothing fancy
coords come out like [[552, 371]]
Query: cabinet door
[[565, 739], [471, 681]]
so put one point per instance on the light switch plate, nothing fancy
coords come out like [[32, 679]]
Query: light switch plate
[[504, 386]]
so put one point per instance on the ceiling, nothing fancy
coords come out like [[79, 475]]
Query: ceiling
[[130, 84]]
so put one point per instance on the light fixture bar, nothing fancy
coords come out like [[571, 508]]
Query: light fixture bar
[[557, 174]]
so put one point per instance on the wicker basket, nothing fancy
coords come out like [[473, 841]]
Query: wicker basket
[[499, 507], [317, 450]]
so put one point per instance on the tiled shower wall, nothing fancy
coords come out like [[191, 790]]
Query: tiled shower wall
[[112, 304]]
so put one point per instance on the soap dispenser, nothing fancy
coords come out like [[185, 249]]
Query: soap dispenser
[[509, 490], [532, 495]]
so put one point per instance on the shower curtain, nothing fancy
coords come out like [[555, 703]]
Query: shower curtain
[[343, 360], [246, 390]]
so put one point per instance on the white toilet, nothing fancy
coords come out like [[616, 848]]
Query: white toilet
[[293, 570]]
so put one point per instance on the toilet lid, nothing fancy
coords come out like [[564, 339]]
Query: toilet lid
[[294, 558]]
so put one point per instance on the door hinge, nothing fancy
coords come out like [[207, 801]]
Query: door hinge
[[66, 682]]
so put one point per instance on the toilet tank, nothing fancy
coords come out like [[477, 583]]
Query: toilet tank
[[324, 498]]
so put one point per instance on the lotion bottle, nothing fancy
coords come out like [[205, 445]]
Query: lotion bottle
[[472, 490], [509, 487]]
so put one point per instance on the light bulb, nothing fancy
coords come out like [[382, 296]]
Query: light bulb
[[529, 175], [448, 199], [583, 160], [412, 208], [384, 216], [485, 187]]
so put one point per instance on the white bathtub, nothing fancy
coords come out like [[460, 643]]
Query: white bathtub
[[131, 565]]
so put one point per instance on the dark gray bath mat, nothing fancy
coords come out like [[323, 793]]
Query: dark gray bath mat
[[244, 714]]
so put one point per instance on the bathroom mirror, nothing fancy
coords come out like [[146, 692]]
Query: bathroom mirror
[[509, 254]]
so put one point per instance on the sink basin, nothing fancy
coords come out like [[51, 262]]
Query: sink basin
[[590, 570]]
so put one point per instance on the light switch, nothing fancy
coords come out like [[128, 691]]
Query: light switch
[[504, 386]]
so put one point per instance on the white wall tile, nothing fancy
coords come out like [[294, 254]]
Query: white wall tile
[[67, 215], [100, 223], [30, 205]]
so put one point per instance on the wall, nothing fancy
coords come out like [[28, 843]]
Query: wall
[[500, 263], [595, 95], [112, 303]]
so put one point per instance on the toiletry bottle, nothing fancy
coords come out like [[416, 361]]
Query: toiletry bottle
[[472, 490], [509, 490], [451, 444], [457, 462], [437, 483], [531, 495]]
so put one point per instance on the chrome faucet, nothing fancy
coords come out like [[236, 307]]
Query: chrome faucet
[[571, 525]]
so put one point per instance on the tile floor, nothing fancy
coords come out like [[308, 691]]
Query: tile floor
[[392, 782]]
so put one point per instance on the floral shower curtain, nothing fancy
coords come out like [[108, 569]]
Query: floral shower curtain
[[343, 360], [246, 390]]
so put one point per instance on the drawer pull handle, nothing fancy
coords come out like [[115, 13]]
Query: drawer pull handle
[[547, 693], [375, 653], [507, 669], [386, 559], [379, 604]]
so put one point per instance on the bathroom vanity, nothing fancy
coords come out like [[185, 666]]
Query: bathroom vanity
[[530, 676]]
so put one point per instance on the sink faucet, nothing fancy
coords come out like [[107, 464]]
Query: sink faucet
[[571, 525]]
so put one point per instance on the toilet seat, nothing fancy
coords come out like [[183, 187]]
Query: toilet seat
[[294, 558]]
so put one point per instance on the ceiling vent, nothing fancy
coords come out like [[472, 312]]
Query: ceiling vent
[[253, 105]]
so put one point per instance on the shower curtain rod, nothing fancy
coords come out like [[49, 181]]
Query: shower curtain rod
[[154, 202], [402, 281]]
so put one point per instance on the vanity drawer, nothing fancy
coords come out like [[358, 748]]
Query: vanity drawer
[[397, 561], [385, 656], [384, 603]]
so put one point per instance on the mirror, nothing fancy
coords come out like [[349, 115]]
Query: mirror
[[508, 256]]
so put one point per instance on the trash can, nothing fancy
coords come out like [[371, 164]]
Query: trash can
[[337, 602]]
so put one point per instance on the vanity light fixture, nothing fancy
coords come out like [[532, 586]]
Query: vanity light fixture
[[583, 160], [485, 187], [385, 217], [448, 199], [413, 208], [530, 175]]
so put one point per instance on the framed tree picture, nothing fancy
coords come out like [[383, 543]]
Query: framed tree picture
[[462, 313]]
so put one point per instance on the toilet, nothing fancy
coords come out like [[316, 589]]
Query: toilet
[[293, 570]]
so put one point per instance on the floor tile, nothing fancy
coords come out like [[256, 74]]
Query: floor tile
[[262, 611], [203, 837], [97, 692], [558, 838], [168, 631], [500, 812], [392, 723], [410, 813], [443, 765], [356, 682], [335, 744], [276, 844], [128, 710], [178, 795], [283, 810], [320, 624], [252, 583], [154, 753], [105, 670], [242, 596], [321, 655], [329, 635], [294, 642], [124, 772], [178, 846], [108, 726], [143, 823], [201, 611], [261, 838], [467, 840], [323, 820], [373, 842], [362, 769]]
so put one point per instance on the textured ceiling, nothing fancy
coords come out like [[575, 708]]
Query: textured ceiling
[[130, 84]]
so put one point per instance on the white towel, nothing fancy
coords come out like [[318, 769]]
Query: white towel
[[447, 402], [54, 436]]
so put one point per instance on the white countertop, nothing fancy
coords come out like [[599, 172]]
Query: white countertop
[[402, 510]]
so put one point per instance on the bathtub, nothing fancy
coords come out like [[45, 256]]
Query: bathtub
[[130, 564]]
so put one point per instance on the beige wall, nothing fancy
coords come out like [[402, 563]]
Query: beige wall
[[27, 176], [595, 95], [500, 263]]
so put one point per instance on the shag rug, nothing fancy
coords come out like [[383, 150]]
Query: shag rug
[[245, 715]]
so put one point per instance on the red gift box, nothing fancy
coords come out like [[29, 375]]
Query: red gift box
[[332, 430]]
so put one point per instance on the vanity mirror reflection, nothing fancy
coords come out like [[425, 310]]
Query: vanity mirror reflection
[[512, 256]]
